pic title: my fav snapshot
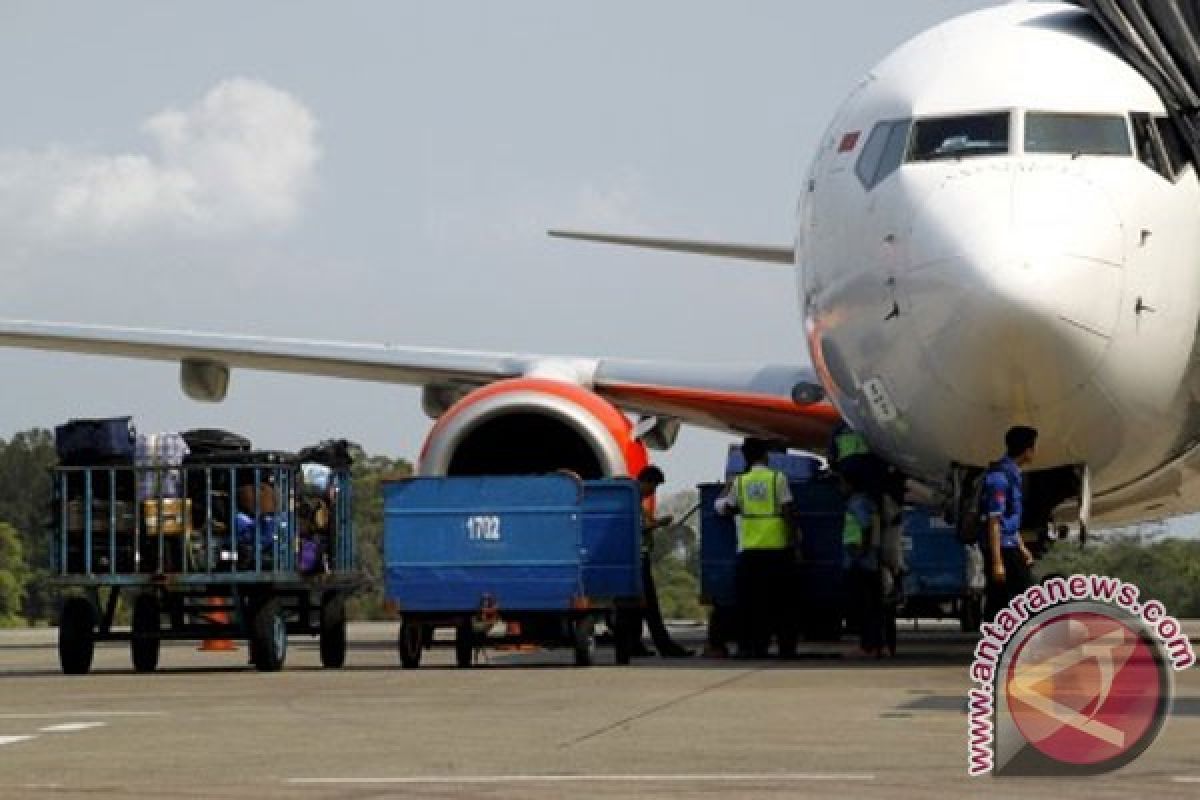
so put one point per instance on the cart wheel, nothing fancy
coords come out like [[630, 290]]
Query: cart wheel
[[584, 631], [76, 636], [268, 636], [333, 631], [622, 641], [411, 643], [970, 614], [464, 643], [145, 644]]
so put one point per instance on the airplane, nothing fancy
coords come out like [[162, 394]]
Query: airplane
[[998, 228]]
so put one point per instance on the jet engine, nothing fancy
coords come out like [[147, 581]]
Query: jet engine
[[532, 426]]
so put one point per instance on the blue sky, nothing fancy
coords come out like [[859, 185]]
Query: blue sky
[[385, 171]]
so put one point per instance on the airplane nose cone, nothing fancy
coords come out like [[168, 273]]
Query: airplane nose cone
[[1016, 284]]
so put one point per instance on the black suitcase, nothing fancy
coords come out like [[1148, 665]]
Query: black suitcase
[[202, 441], [89, 442]]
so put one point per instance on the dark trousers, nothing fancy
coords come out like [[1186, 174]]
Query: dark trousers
[[722, 625], [629, 620], [1017, 578], [866, 596], [889, 627], [766, 600]]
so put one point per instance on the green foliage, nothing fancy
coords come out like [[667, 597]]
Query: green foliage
[[25, 488], [1167, 570], [676, 558], [369, 473], [14, 574]]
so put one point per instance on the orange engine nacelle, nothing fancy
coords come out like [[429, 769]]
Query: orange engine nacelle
[[531, 426]]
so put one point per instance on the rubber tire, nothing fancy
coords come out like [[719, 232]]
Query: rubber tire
[[146, 643], [970, 615], [583, 631], [622, 643], [410, 643], [77, 636], [333, 631], [268, 636], [464, 644]]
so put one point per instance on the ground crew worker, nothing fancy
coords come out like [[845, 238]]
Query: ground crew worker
[[850, 455], [861, 537], [649, 479], [766, 564], [1006, 559]]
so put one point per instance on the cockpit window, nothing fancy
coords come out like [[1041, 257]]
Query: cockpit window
[[883, 153], [1159, 145], [1076, 134], [959, 137]]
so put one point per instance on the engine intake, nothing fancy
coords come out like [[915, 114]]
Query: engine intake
[[528, 426]]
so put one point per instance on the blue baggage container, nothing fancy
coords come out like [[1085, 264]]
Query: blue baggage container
[[612, 527], [521, 544], [718, 549], [820, 518], [936, 563], [797, 467]]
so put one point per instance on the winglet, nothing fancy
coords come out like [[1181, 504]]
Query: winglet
[[770, 254]]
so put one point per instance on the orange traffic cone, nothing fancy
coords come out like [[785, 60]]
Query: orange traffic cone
[[219, 617]]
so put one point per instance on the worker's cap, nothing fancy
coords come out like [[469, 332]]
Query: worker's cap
[[652, 474]]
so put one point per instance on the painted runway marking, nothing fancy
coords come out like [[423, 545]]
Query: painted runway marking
[[668, 778], [1186, 779], [63, 714], [70, 727], [14, 739]]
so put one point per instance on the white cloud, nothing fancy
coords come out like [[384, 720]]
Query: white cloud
[[240, 159]]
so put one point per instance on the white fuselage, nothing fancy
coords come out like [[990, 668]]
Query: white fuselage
[[981, 272]]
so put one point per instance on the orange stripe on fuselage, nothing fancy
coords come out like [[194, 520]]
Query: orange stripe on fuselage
[[805, 426]]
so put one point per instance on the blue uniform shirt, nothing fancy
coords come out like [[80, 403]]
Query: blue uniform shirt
[[1002, 498]]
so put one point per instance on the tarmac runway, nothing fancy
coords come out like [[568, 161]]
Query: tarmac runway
[[521, 725]]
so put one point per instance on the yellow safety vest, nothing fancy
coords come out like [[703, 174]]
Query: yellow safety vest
[[763, 525], [850, 443], [852, 532]]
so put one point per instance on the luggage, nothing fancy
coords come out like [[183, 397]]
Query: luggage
[[121, 515], [203, 441], [334, 453], [309, 560], [267, 499], [315, 479], [89, 442], [170, 515], [153, 452]]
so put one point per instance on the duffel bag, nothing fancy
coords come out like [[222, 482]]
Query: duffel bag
[[214, 440], [85, 442]]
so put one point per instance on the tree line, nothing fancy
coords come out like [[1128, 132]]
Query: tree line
[[27, 597]]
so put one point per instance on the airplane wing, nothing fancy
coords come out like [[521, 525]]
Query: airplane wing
[[780, 401]]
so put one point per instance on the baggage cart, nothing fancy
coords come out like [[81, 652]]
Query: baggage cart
[[243, 551], [509, 561]]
